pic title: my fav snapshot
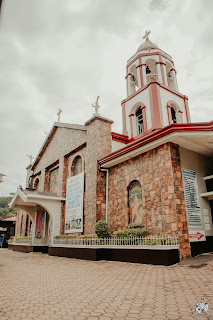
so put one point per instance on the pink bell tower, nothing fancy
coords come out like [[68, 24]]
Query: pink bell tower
[[153, 100]]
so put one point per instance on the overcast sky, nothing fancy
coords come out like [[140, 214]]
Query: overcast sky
[[56, 53]]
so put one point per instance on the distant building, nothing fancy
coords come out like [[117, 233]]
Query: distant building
[[158, 173]]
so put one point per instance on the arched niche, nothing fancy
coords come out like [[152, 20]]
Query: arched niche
[[36, 184], [135, 203], [77, 166]]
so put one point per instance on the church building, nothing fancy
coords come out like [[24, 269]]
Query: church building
[[157, 174]]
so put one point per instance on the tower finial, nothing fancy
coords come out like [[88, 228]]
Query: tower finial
[[146, 35]]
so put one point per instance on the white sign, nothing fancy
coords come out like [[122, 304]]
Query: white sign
[[195, 236], [74, 204], [191, 198], [3, 229]]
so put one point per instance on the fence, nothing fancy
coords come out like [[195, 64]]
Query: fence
[[130, 241]]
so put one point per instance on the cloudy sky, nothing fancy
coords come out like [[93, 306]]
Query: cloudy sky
[[56, 53]]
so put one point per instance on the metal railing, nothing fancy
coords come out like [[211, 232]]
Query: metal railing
[[130, 241]]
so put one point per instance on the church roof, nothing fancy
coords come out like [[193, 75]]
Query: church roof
[[194, 136], [51, 134]]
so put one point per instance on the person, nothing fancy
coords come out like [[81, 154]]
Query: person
[[1, 241]]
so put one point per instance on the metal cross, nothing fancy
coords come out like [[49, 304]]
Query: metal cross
[[59, 114], [146, 35]]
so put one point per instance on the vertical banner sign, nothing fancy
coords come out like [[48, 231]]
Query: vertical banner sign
[[191, 198], [74, 204], [50, 233], [40, 225]]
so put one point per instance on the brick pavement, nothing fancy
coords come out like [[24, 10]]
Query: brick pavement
[[38, 286]]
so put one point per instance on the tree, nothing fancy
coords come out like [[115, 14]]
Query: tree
[[5, 211]]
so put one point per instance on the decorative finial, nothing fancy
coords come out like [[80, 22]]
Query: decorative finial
[[146, 35], [59, 114], [96, 106], [31, 158]]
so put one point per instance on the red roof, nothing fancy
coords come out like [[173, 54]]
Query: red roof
[[156, 134]]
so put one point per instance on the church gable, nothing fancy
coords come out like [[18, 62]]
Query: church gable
[[62, 139]]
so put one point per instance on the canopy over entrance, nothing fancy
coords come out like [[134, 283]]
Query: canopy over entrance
[[34, 202]]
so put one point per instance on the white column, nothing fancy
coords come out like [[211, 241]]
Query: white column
[[165, 75], [139, 77], [144, 73], [175, 80], [159, 73]]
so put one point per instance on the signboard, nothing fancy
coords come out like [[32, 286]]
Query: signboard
[[191, 198], [195, 236], [3, 229], [74, 204]]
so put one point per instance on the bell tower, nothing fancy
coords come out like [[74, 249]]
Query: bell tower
[[153, 100]]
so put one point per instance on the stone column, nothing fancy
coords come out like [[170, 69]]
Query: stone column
[[99, 145]]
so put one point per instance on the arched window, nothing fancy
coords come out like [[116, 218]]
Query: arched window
[[36, 184], [169, 74], [173, 115], [133, 79], [21, 225], [139, 120], [151, 70], [77, 166], [135, 204], [27, 225]]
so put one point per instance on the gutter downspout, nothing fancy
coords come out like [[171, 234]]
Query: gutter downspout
[[107, 193]]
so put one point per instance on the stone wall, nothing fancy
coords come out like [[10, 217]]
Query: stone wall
[[159, 173], [99, 144]]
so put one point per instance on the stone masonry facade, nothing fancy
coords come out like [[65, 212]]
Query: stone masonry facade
[[159, 173]]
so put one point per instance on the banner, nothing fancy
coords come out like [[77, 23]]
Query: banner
[[191, 198], [40, 225], [74, 204]]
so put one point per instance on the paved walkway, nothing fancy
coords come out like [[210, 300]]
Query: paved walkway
[[38, 286]]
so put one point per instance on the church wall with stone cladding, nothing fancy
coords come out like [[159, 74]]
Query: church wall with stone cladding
[[159, 173], [63, 141]]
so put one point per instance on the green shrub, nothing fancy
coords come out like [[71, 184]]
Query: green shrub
[[135, 226], [101, 229], [139, 232], [19, 239]]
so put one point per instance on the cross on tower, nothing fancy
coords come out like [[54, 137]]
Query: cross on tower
[[59, 114], [146, 35]]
